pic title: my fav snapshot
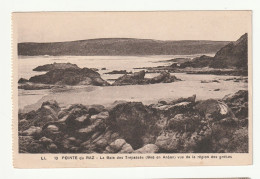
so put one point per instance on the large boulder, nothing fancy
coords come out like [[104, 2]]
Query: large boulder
[[238, 102], [137, 78], [76, 118], [132, 79], [118, 72], [119, 146], [48, 112], [149, 148], [132, 120], [214, 110], [49, 67], [32, 131], [168, 142], [97, 125], [164, 77], [184, 122], [198, 62], [70, 76]]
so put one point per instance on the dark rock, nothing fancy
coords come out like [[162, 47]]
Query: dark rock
[[102, 115], [184, 122], [77, 117], [178, 126], [98, 125], [49, 67], [45, 141], [127, 148], [118, 72], [214, 110], [103, 68], [168, 142], [132, 120], [52, 148], [217, 89], [70, 76], [95, 109], [133, 79], [119, 146], [47, 113], [52, 104], [170, 110], [180, 100], [209, 81], [23, 80], [198, 62], [32, 131], [137, 78], [23, 124], [238, 102], [69, 143], [148, 148], [164, 77]]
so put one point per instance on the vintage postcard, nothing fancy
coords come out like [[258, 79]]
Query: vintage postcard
[[132, 89]]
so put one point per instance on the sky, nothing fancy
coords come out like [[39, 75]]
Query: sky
[[171, 25]]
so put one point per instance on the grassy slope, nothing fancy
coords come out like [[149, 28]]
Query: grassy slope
[[120, 46]]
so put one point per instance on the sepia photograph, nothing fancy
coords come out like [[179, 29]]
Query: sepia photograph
[[173, 82]]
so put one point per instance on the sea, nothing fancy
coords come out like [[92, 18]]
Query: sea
[[88, 95]]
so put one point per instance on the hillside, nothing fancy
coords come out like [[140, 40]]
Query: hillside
[[235, 54], [120, 46]]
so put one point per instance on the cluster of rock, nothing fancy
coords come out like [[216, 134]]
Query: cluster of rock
[[178, 126], [62, 74], [59, 74], [138, 78]]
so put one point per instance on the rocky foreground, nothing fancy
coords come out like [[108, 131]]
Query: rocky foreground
[[179, 126]]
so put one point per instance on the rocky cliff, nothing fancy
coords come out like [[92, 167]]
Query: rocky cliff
[[235, 54]]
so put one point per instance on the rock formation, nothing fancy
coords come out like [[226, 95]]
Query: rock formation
[[59, 74], [138, 78], [54, 66], [118, 72], [70, 76], [179, 126], [233, 55]]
